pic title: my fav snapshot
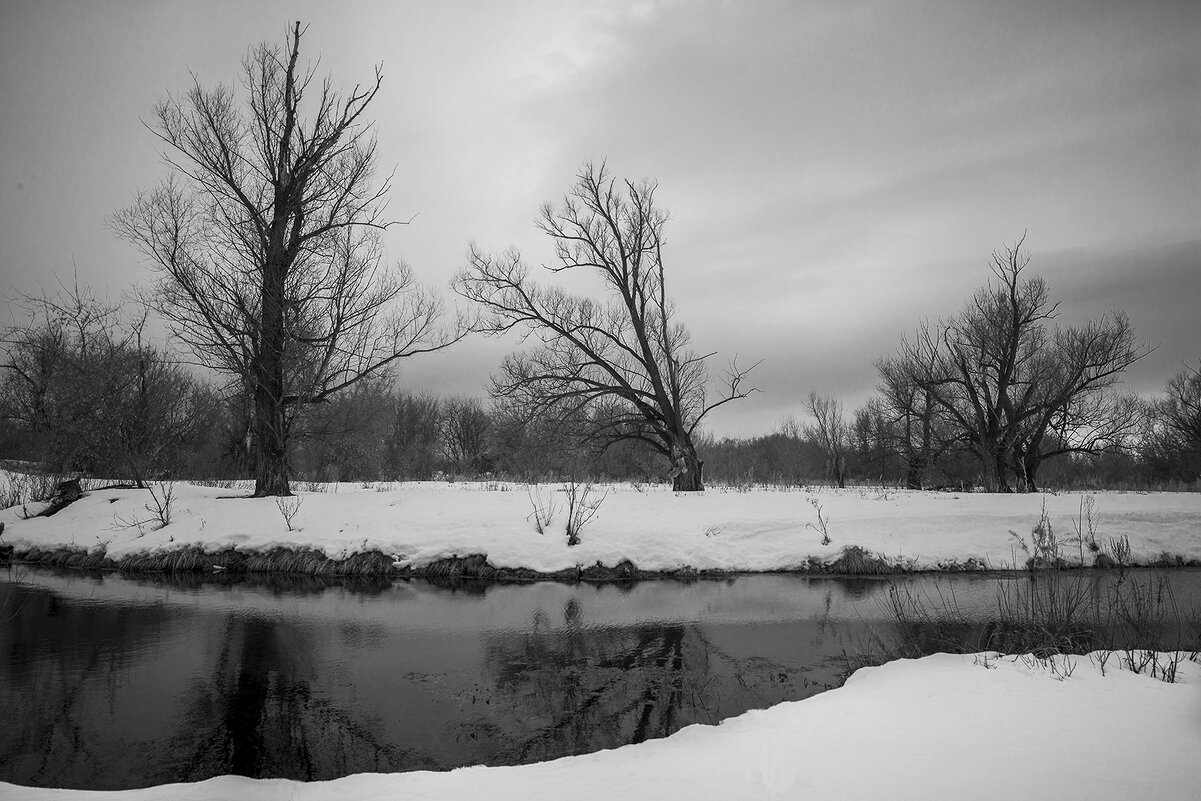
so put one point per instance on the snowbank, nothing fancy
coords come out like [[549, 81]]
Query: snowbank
[[655, 529], [944, 726]]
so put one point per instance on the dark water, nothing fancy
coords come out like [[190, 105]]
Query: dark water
[[109, 682]]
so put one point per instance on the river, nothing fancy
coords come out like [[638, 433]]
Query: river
[[111, 681]]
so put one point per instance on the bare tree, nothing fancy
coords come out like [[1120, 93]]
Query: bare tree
[[1171, 444], [1074, 408], [1004, 379], [93, 393], [411, 441], [978, 365], [42, 390], [1183, 405], [161, 409], [344, 438], [465, 429], [624, 364], [831, 433], [873, 441], [266, 242], [916, 429]]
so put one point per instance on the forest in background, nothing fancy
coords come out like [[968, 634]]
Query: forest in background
[[85, 392]]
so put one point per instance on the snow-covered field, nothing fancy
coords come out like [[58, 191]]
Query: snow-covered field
[[940, 727], [655, 529], [945, 726]]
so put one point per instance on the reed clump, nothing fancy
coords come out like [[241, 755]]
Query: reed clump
[[191, 559], [855, 561], [1049, 613]]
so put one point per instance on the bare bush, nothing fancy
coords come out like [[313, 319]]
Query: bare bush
[[19, 489], [1044, 548], [544, 509], [822, 521], [1119, 550], [162, 495], [582, 507], [162, 500], [288, 507]]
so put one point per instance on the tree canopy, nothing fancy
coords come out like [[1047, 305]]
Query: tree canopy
[[623, 366]]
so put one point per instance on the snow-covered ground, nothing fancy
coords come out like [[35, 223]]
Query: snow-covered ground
[[655, 529], [940, 727], [944, 726]]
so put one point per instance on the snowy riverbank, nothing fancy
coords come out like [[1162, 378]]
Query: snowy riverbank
[[944, 726], [416, 525]]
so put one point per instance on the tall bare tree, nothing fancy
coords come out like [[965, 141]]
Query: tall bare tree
[[978, 365], [916, 430], [1004, 378], [624, 364], [830, 432], [266, 242]]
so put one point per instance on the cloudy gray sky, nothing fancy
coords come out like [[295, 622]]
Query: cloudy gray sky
[[835, 171]]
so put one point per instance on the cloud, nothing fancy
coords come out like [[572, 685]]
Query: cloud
[[835, 171]]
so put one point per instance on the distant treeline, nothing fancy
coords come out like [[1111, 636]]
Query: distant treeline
[[85, 392]]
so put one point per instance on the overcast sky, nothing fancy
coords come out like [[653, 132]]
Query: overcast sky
[[835, 171]]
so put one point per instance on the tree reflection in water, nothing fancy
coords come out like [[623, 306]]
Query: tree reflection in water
[[56, 655], [581, 689], [112, 695], [123, 682], [254, 713]]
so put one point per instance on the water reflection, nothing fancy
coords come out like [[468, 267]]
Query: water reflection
[[253, 711], [116, 682], [583, 689], [62, 670]]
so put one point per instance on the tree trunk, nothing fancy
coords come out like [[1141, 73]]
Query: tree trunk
[[925, 460], [913, 479], [1002, 482], [270, 425], [270, 447], [840, 471], [993, 467], [687, 470], [915, 469]]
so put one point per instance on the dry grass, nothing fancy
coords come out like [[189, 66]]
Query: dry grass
[[181, 560], [284, 561], [1050, 613], [66, 558], [474, 566], [855, 561]]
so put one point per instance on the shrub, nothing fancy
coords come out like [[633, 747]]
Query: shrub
[[1052, 613], [581, 508]]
